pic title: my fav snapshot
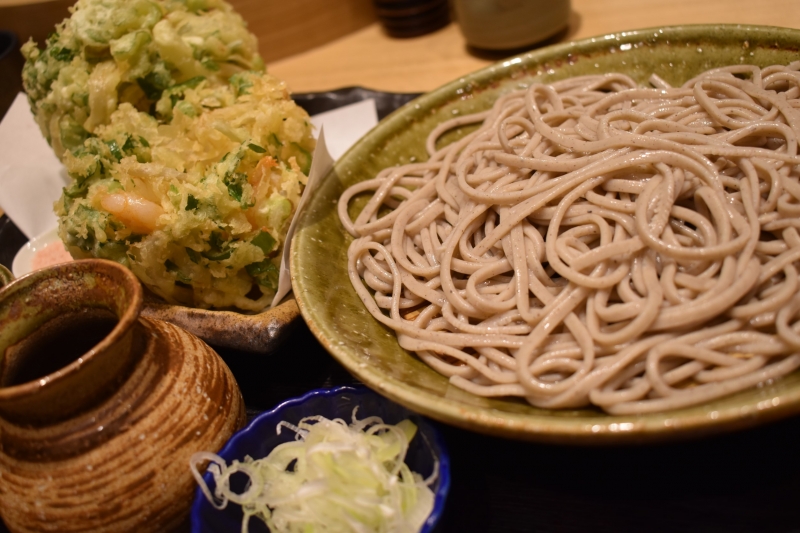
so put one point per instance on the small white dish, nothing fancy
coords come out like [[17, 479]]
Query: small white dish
[[26, 259]]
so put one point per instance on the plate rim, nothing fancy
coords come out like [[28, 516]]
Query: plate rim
[[601, 428]]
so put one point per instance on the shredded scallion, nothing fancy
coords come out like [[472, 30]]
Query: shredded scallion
[[333, 477]]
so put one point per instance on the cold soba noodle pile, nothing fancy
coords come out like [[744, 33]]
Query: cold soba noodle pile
[[594, 242]]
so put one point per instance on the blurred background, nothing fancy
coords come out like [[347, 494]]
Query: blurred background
[[319, 45], [288, 29], [314, 22]]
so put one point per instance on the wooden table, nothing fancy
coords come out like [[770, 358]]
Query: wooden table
[[370, 58]]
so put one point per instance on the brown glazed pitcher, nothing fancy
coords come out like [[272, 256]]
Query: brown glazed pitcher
[[100, 409]]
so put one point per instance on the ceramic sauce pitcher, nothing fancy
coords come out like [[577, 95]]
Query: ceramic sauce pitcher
[[100, 409]]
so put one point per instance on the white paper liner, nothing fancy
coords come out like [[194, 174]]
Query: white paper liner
[[321, 164], [31, 176]]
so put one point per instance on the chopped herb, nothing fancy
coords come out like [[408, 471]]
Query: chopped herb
[[152, 85], [210, 64], [217, 256], [191, 203], [219, 250], [303, 158], [128, 145], [173, 268], [241, 83], [115, 151], [194, 255], [77, 189], [191, 83], [265, 273], [265, 241], [216, 240], [235, 190], [62, 54], [256, 148]]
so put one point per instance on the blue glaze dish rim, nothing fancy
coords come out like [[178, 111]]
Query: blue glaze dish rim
[[272, 417]]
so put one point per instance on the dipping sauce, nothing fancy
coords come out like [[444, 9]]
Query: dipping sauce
[[55, 344]]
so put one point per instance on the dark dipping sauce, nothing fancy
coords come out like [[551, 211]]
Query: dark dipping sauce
[[55, 344]]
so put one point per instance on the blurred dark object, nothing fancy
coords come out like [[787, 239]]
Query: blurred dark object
[[320, 102], [410, 18], [10, 70], [11, 240], [21, 20], [510, 24]]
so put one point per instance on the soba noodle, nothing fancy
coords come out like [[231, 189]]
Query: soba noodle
[[596, 242]]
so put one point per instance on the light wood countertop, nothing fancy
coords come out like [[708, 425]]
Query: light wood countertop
[[370, 58]]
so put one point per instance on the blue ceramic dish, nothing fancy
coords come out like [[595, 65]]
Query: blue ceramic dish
[[259, 438]]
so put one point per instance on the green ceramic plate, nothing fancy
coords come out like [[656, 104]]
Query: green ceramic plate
[[370, 351]]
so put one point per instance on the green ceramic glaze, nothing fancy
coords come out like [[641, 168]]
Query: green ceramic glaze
[[6, 276], [370, 351]]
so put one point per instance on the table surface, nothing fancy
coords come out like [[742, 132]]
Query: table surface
[[371, 58], [747, 481]]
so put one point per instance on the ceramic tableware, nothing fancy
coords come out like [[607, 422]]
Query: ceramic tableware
[[260, 437], [251, 332], [101, 409], [259, 333], [510, 24], [339, 320]]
